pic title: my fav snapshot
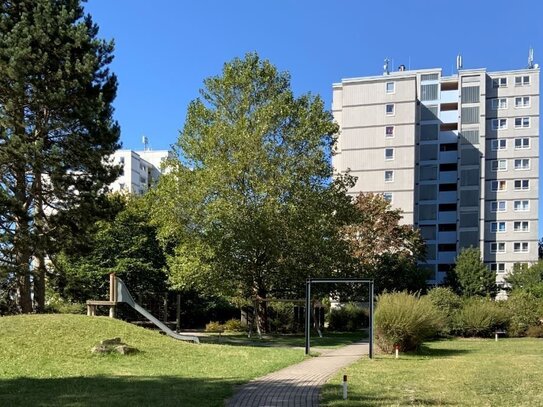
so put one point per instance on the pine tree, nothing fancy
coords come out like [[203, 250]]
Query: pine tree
[[56, 130], [473, 276]]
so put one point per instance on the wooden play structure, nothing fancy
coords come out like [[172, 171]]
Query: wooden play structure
[[118, 293]]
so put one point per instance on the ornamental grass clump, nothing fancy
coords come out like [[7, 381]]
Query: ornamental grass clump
[[481, 317], [405, 320]]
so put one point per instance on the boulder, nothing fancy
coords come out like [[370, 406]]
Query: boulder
[[114, 345]]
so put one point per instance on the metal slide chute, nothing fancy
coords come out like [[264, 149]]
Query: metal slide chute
[[123, 295]]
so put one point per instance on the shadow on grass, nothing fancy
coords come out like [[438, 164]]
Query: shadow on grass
[[105, 391], [439, 352], [328, 340], [374, 400]]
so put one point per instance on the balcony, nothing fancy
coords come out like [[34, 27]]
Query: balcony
[[448, 177], [449, 96], [448, 136], [448, 157], [449, 116], [448, 196], [446, 237], [447, 217], [446, 257]]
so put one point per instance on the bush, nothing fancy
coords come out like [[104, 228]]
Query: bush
[[349, 317], [281, 317], [233, 325], [525, 311], [405, 320], [481, 318], [57, 305], [535, 331], [448, 302], [214, 326]]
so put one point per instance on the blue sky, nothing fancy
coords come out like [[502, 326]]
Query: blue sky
[[165, 48]]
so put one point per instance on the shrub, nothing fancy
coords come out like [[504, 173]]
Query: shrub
[[535, 331], [525, 311], [349, 317], [405, 320], [480, 317], [233, 325], [57, 305], [214, 326], [448, 302], [281, 317]]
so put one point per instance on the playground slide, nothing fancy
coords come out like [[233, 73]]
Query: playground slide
[[123, 295]]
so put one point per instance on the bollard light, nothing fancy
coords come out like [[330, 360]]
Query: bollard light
[[344, 387], [397, 347]]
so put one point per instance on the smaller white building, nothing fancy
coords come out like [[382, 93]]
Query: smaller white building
[[141, 170]]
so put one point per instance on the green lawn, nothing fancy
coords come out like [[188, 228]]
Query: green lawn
[[45, 360], [461, 372], [329, 339]]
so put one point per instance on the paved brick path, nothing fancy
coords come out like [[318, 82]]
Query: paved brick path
[[297, 385]]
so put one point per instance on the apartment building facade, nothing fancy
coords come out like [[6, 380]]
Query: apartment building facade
[[141, 170], [458, 154]]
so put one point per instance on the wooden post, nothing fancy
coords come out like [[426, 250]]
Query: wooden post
[[112, 294], [178, 313]]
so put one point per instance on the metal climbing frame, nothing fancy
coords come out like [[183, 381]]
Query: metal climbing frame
[[310, 281]]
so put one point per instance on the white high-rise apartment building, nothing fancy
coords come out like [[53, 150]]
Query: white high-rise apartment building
[[458, 154], [141, 170]]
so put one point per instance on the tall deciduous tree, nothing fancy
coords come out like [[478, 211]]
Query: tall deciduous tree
[[473, 276], [250, 204], [384, 249], [56, 130]]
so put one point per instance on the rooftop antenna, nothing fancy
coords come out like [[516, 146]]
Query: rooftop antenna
[[386, 69], [145, 142], [459, 63], [531, 58]]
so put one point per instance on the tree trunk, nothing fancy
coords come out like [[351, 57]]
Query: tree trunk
[[39, 284], [261, 310], [23, 291]]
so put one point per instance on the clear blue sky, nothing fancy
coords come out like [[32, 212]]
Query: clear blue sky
[[165, 48]]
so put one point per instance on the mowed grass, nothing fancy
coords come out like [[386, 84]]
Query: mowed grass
[[460, 372], [45, 360]]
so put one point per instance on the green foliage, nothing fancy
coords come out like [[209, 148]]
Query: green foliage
[[234, 325], [527, 279], [384, 249], [281, 317], [473, 276], [348, 318], [406, 320], [57, 305], [127, 246], [535, 331], [448, 302], [214, 326], [480, 317], [56, 132], [249, 208], [525, 311]]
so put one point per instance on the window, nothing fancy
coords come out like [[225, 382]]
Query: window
[[498, 206], [499, 82], [522, 184], [389, 86], [448, 147], [498, 104], [446, 247], [389, 154], [497, 267], [498, 185], [522, 102], [500, 144], [449, 207], [498, 165], [497, 227], [389, 131], [497, 247], [388, 196], [522, 80], [522, 143], [447, 227], [521, 226], [520, 247], [521, 206], [389, 109], [522, 122], [122, 186], [499, 124], [522, 164], [121, 160], [389, 176]]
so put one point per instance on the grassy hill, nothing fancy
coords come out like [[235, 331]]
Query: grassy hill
[[45, 360]]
